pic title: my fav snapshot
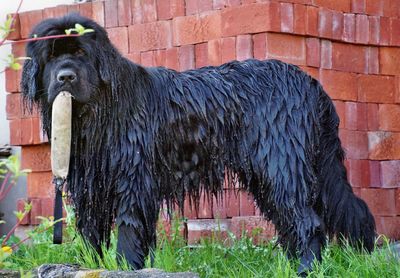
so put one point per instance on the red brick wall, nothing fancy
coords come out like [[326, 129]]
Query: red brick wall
[[351, 46]]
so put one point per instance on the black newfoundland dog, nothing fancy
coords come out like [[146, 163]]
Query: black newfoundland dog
[[144, 135]]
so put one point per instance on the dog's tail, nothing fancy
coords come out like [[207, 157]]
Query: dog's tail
[[345, 215]]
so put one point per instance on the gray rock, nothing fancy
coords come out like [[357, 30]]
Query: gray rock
[[73, 271], [9, 274]]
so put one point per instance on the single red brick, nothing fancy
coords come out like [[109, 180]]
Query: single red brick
[[214, 52], [395, 31], [288, 48], [11, 77], [147, 58], [177, 8], [228, 49], [205, 206], [30, 131], [376, 88], [349, 28], [374, 7], [384, 145], [339, 85], [312, 21], [372, 112], [36, 158], [313, 52], [124, 12], [13, 106], [275, 17], [355, 143], [390, 173], [398, 201], [341, 111], [119, 37], [356, 116], [201, 51], [191, 7], [196, 28], [55, 11], [374, 29], [15, 30], [247, 206], [172, 60], [150, 36], [98, 12], [160, 58], [287, 17], [375, 174], [362, 29], [167, 9], [359, 172], [358, 6], [21, 208], [15, 132], [254, 18], [164, 9], [338, 5], [186, 57], [389, 58], [325, 23], [380, 201], [337, 25], [28, 20], [137, 11], [149, 10], [244, 47], [86, 9], [385, 29], [39, 184], [389, 226], [260, 46], [111, 13], [326, 54], [389, 117], [350, 58], [300, 16]]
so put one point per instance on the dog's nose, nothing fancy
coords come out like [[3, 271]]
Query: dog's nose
[[66, 75]]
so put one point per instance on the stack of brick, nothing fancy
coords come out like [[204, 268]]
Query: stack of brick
[[351, 46]]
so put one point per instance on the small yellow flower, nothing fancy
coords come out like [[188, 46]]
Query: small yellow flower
[[6, 249]]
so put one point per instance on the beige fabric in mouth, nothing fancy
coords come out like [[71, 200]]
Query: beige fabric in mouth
[[61, 134]]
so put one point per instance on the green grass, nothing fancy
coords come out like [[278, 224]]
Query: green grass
[[213, 258]]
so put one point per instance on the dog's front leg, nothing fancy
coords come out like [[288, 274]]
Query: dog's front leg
[[137, 213]]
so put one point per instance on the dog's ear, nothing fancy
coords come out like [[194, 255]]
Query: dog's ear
[[29, 80], [109, 64]]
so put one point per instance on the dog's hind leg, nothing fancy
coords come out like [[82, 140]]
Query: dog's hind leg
[[344, 213]]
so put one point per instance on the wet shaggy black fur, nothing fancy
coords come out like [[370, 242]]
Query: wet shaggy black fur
[[144, 135]]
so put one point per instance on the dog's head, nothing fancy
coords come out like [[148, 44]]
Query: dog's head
[[78, 64]]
